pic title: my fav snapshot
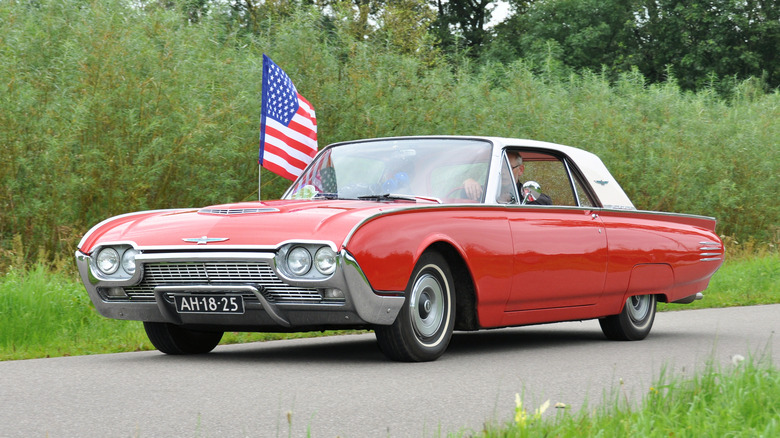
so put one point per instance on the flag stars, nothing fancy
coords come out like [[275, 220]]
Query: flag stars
[[282, 96]]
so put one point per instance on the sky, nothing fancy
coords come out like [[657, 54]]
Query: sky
[[499, 13]]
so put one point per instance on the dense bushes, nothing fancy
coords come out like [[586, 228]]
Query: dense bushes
[[106, 109]]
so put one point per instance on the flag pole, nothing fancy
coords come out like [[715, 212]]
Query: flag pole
[[259, 180]]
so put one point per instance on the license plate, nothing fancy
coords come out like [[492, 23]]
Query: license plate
[[209, 303]]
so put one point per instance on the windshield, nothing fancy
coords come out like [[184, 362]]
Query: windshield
[[415, 168]]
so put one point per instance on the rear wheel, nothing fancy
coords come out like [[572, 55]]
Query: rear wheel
[[423, 328], [172, 339], [634, 322]]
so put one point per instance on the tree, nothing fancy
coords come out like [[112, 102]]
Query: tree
[[710, 38], [582, 33], [462, 24], [701, 42]]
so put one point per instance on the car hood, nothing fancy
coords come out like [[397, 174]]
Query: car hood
[[254, 224]]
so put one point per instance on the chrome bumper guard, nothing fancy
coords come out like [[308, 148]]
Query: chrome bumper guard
[[361, 305]]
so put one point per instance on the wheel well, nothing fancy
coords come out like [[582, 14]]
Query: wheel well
[[465, 296]]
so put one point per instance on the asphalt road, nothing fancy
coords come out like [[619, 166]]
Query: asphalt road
[[343, 386]]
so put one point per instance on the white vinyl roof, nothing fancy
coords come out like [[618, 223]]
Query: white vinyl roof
[[593, 169]]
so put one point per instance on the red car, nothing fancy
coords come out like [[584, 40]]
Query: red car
[[413, 237]]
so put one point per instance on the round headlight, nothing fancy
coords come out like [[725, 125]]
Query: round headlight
[[128, 261], [325, 260], [107, 261], [299, 260]]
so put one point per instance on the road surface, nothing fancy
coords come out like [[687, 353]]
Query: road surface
[[343, 386]]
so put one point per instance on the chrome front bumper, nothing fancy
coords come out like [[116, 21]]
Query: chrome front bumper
[[360, 306]]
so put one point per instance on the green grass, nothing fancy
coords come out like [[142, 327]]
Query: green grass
[[742, 281], [740, 400], [46, 314]]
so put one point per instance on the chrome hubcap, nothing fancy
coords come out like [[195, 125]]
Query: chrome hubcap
[[639, 307], [427, 305]]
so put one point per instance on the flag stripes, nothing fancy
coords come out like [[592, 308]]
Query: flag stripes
[[288, 131]]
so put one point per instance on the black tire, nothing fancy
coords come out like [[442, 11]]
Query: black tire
[[634, 322], [172, 339], [423, 328]]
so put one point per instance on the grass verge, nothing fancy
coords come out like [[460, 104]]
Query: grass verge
[[45, 314], [741, 281], [739, 400]]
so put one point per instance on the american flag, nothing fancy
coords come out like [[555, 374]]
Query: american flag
[[288, 126]]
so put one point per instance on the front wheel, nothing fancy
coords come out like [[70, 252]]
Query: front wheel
[[634, 322], [172, 339], [423, 328]]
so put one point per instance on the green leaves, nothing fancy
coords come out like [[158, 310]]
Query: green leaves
[[106, 108]]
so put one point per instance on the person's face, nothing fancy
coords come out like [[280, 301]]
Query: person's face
[[517, 169]]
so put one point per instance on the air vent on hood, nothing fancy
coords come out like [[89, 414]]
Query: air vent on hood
[[236, 210]]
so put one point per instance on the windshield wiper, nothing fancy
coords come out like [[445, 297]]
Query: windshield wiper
[[388, 197], [326, 196]]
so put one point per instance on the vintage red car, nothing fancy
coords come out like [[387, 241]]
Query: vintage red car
[[412, 237]]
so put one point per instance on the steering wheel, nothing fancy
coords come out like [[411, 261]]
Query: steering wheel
[[455, 190]]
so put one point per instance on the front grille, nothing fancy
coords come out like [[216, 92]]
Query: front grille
[[220, 273]]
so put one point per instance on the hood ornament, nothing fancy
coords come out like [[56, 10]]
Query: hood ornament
[[204, 240]]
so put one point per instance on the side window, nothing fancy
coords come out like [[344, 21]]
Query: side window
[[582, 195], [545, 177], [507, 189]]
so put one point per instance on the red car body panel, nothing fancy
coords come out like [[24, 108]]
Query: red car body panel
[[277, 222], [555, 259]]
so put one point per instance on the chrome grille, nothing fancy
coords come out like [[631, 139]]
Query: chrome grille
[[220, 273]]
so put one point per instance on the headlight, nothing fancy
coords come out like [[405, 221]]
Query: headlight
[[107, 261], [299, 260], [128, 261], [325, 260]]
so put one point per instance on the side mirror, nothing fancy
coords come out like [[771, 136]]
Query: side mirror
[[530, 192]]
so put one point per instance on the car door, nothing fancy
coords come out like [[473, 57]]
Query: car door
[[560, 250]]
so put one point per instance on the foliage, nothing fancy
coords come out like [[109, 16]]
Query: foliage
[[738, 400], [702, 43], [462, 24], [107, 108], [710, 38], [583, 34]]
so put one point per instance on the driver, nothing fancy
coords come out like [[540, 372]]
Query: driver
[[532, 194]]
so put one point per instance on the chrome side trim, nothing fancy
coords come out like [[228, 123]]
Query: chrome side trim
[[711, 256], [231, 211]]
